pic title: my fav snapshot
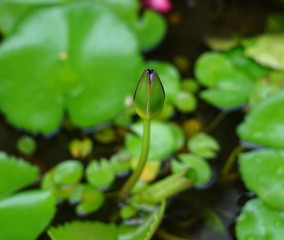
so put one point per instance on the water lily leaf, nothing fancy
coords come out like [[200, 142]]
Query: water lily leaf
[[100, 173], [245, 65], [90, 199], [15, 174], [163, 140], [68, 172], [228, 86], [264, 124], [146, 230], [150, 29], [83, 230], [263, 173], [203, 145], [185, 102], [201, 168], [26, 145], [21, 211], [257, 221], [66, 68], [267, 49], [221, 44]]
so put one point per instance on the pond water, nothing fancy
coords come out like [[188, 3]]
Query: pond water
[[190, 22]]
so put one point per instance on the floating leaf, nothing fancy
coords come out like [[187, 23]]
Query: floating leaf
[[263, 173], [264, 124], [26, 145], [67, 67], [163, 140], [25, 215], [198, 164], [80, 148], [185, 102], [120, 162], [83, 230], [203, 145], [91, 199], [268, 50], [100, 173], [15, 174], [150, 29], [257, 221], [229, 87], [68, 172]]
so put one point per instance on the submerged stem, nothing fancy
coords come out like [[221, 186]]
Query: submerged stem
[[141, 163]]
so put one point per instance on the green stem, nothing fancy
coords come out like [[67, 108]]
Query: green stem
[[142, 161]]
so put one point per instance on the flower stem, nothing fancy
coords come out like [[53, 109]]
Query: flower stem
[[142, 161]]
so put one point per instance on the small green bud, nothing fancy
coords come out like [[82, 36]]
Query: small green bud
[[149, 95]]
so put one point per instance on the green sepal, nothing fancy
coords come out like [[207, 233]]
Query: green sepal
[[149, 95]]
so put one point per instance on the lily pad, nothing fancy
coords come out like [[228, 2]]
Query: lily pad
[[163, 140], [259, 222], [267, 49], [25, 215], [50, 65], [264, 124], [228, 87], [203, 145], [100, 173], [198, 164], [15, 174], [83, 230], [263, 173]]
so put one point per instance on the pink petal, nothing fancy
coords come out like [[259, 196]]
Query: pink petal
[[159, 5]]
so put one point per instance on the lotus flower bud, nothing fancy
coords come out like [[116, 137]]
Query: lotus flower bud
[[149, 95]]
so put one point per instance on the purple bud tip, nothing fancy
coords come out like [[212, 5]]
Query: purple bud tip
[[151, 74]]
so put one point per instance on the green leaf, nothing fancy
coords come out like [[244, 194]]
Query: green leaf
[[146, 230], [25, 215], [268, 50], [15, 174], [68, 172], [259, 222], [100, 173], [263, 172], [91, 199], [203, 145], [67, 68], [164, 139], [26, 145], [83, 230], [229, 87], [150, 29], [185, 102], [198, 164], [264, 124]]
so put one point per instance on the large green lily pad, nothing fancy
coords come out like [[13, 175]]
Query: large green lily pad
[[263, 173], [15, 174], [25, 215], [78, 58], [259, 222], [264, 125]]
